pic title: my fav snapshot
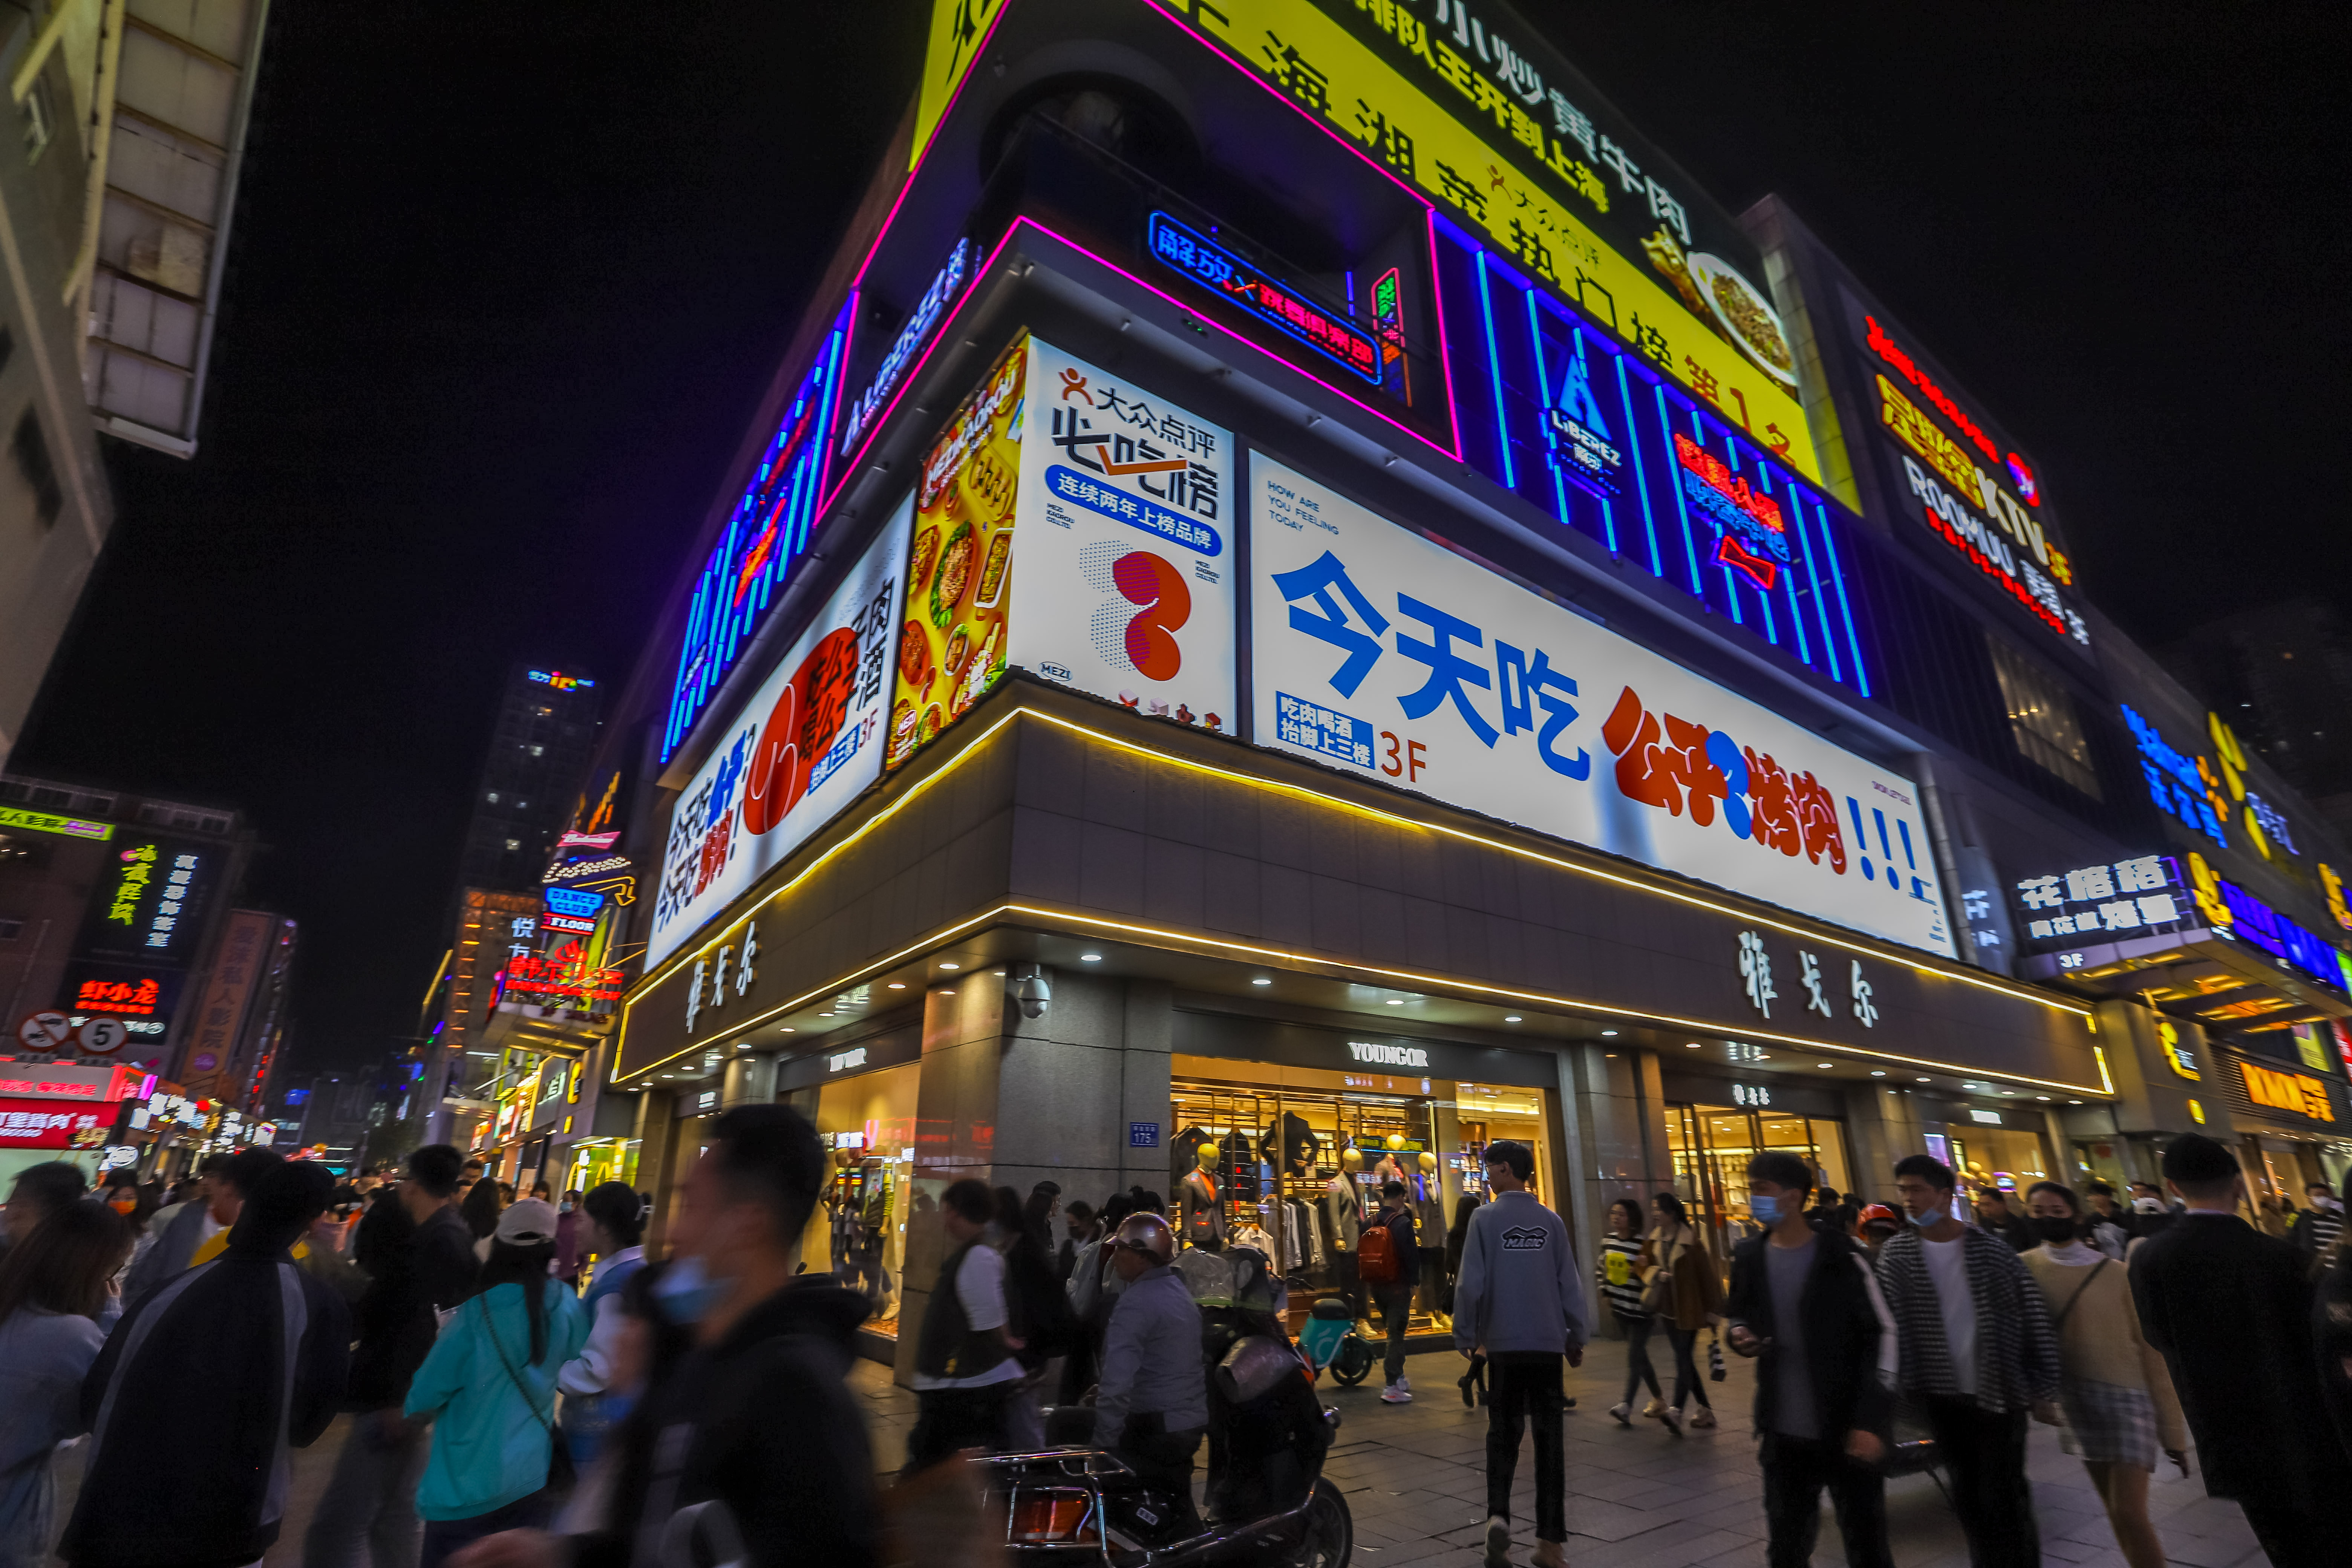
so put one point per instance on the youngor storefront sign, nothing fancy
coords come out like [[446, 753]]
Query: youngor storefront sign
[[799, 749], [1380, 653]]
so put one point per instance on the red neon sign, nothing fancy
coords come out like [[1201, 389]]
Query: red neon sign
[[1763, 510], [139, 998], [1889, 351]]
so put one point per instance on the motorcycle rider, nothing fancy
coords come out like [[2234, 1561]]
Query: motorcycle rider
[[1151, 1406]]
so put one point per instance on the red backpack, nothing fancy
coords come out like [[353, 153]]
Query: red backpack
[[1376, 1258]]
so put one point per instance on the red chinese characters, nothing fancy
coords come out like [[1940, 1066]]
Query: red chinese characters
[[1661, 759], [1669, 761]]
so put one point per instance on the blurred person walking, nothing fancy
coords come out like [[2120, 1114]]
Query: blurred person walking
[[203, 1388], [1805, 1299], [199, 1231], [488, 1388], [1977, 1354], [965, 1354], [1520, 1304], [2231, 1308], [39, 1192], [1619, 1275], [593, 1397], [2122, 1415], [752, 1449], [1684, 1295], [420, 1259], [53, 1288]]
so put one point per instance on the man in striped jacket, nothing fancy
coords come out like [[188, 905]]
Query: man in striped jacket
[[1805, 1301], [1978, 1353]]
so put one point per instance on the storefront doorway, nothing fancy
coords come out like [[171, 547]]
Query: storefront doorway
[[1273, 1157], [1712, 1144], [866, 1123]]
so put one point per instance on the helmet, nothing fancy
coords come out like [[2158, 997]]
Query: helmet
[[1879, 1214], [1147, 1233]]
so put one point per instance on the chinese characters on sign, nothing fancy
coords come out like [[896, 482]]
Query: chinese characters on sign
[[1239, 284], [1489, 128], [2288, 1091], [802, 746], [2135, 896], [1381, 651]]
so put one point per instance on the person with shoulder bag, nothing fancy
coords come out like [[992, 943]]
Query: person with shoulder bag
[[487, 1385], [1682, 1294], [2121, 1410]]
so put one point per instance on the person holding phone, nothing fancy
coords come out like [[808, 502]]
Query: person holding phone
[[1804, 1300]]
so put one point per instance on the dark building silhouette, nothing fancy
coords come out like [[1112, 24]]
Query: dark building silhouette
[[539, 752], [2282, 676]]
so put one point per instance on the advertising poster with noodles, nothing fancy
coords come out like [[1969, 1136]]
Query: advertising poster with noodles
[[1124, 576], [958, 585], [1126, 571]]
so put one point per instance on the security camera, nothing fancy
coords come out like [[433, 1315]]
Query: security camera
[[1033, 987]]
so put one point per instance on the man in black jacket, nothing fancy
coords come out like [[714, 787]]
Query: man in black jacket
[[419, 1257], [2230, 1310], [754, 1437], [1395, 1295], [1804, 1297], [203, 1388]]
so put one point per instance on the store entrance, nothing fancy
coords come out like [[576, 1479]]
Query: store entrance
[[1291, 1160], [1712, 1146]]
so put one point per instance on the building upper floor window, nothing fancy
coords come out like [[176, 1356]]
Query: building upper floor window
[[2041, 718]]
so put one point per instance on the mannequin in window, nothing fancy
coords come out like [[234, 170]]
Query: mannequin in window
[[1204, 1223], [1343, 1218], [1429, 1222]]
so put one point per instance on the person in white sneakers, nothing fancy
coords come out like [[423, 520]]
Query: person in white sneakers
[[1399, 1274], [1519, 1301]]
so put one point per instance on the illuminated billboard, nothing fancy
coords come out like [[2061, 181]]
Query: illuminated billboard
[[148, 906], [1389, 657], [1463, 105], [765, 542], [1124, 579], [799, 749]]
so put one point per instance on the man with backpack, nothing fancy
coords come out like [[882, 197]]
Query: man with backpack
[[1519, 1301], [1389, 1262]]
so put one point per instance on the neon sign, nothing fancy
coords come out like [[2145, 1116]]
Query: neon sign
[[765, 539], [42, 822], [139, 998], [1754, 537], [1582, 449], [2175, 780], [561, 681], [1248, 288], [910, 339]]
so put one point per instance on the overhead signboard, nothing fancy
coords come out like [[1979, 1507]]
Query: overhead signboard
[[1383, 654], [17, 819], [799, 749], [45, 1124], [1466, 106], [765, 542], [1943, 466], [959, 29], [1124, 579], [148, 905]]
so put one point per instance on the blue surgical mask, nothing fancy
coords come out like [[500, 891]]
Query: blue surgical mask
[[686, 1291], [1933, 1216], [1768, 1210]]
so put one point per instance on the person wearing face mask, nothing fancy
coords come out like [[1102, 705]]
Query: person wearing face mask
[[2314, 1230], [751, 1449], [1977, 1354], [2121, 1412], [1805, 1299]]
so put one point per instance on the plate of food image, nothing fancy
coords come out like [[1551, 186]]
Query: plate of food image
[[1747, 318]]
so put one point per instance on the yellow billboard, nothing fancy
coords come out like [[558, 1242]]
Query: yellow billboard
[[958, 30], [1476, 131]]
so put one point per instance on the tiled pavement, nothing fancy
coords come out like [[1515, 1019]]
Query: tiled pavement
[[1415, 1479]]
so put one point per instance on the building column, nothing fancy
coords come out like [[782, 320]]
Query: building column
[[1617, 1103], [1881, 1127], [955, 1131]]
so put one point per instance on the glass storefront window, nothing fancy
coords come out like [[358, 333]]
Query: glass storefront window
[[1711, 1145], [2004, 1157], [1273, 1142], [596, 1161], [859, 1231]]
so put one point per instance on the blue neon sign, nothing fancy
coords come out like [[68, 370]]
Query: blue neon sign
[[1238, 283], [763, 545]]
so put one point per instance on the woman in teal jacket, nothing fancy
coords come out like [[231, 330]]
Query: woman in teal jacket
[[488, 1388]]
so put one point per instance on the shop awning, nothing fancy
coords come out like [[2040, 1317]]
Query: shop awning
[[2200, 974]]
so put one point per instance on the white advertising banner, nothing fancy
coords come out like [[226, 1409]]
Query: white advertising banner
[[804, 746], [1124, 581], [1381, 653]]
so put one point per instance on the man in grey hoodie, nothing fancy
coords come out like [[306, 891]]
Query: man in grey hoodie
[[1519, 1301]]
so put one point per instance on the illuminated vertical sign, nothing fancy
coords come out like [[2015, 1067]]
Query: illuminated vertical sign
[[764, 543]]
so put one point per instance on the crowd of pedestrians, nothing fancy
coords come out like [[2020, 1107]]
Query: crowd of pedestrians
[[695, 1408]]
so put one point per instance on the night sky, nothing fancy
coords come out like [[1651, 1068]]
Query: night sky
[[508, 281]]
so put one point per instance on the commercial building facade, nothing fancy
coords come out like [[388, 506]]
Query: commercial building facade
[[1511, 657]]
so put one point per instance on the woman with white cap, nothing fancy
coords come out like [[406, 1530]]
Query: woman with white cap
[[488, 1388]]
